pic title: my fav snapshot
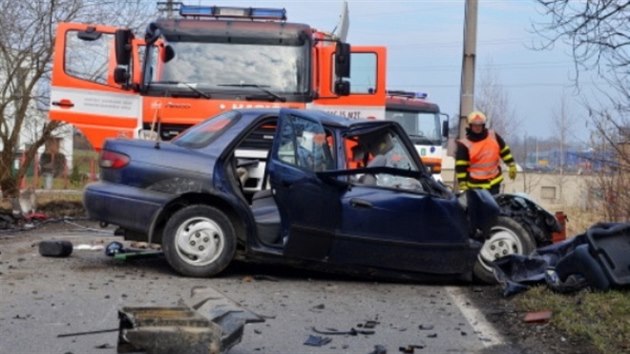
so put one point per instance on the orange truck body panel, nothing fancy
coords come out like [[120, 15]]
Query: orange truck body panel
[[105, 109]]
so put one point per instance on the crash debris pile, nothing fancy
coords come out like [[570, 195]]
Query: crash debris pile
[[597, 259]]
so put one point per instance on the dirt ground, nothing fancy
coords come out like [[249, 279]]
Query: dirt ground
[[504, 314], [499, 311]]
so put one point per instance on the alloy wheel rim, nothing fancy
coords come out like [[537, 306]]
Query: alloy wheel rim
[[503, 242], [199, 241]]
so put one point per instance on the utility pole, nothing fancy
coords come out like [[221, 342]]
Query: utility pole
[[467, 94], [467, 98], [169, 9]]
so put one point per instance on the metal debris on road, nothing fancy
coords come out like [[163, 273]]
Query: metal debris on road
[[317, 341], [368, 324], [351, 332], [379, 349], [207, 322], [410, 349], [87, 332]]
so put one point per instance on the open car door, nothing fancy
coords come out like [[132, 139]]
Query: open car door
[[83, 90], [309, 208]]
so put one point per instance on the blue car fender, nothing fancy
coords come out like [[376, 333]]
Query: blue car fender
[[482, 210]]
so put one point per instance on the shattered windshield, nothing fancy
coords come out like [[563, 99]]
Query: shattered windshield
[[383, 150], [224, 67]]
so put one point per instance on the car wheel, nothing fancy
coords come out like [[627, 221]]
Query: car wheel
[[199, 241], [506, 237]]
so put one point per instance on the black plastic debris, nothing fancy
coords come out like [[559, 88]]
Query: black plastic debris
[[104, 346], [597, 259], [411, 348], [379, 349], [351, 332], [368, 324], [55, 248], [317, 341]]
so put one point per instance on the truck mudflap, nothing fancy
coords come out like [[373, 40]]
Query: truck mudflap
[[206, 323], [538, 222]]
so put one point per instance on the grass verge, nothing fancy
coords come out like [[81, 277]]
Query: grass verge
[[601, 318]]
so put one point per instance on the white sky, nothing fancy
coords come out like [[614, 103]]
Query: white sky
[[424, 43]]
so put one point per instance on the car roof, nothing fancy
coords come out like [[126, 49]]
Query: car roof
[[318, 115]]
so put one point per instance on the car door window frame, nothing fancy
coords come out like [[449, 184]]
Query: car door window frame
[[303, 142]]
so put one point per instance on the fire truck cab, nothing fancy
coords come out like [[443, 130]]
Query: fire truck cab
[[422, 120], [110, 83]]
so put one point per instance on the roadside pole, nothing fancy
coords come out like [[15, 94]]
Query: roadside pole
[[468, 67]]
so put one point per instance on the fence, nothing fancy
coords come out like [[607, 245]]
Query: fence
[[52, 171]]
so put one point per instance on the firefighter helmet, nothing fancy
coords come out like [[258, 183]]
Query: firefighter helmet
[[476, 117]]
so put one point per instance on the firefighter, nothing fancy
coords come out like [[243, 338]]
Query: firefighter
[[477, 160]]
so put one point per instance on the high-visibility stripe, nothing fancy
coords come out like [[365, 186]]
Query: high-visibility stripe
[[486, 185], [484, 157]]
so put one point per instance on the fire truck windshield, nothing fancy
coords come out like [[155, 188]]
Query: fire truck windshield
[[229, 68], [422, 127]]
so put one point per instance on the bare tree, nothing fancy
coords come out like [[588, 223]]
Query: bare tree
[[492, 99], [611, 152], [27, 37], [598, 32]]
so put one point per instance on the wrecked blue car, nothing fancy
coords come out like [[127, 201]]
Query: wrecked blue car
[[303, 188]]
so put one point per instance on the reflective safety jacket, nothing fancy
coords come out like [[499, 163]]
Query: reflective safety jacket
[[478, 156]]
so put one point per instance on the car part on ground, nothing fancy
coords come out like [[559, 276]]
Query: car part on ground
[[206, 323], [55, 248], [597, 259]]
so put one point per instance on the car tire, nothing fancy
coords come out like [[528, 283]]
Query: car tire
[[199, 241], [506, 237]]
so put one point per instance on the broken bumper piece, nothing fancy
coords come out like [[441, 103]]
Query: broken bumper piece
[[207, 322]]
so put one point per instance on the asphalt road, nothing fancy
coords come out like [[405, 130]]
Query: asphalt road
[[41, 298]]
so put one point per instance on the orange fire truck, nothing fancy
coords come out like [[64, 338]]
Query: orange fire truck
[[422, 120], [108, 82]]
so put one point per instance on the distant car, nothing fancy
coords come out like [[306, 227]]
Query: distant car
[[304, 188]]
